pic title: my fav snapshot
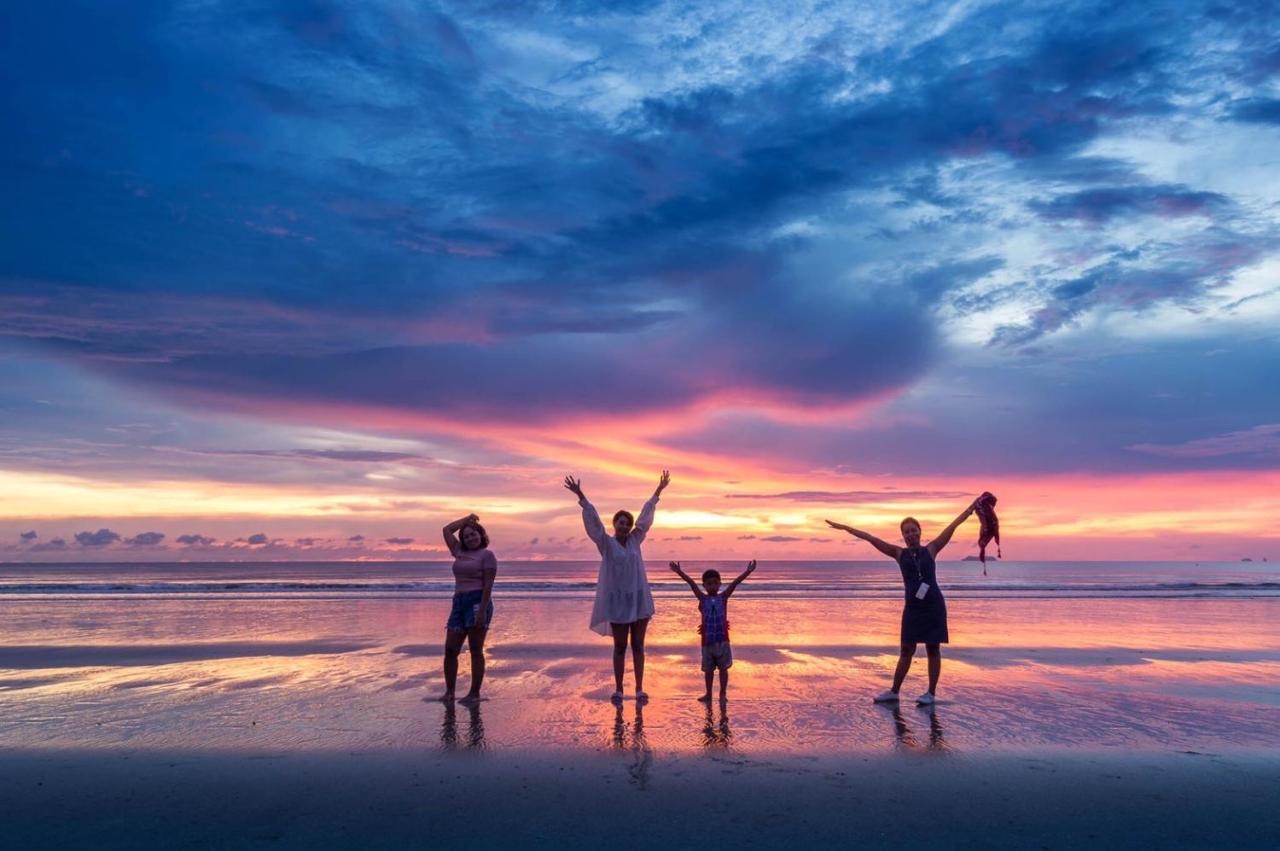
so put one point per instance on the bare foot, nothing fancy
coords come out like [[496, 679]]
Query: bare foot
[[706, 698], [470, 699], [447, 697]]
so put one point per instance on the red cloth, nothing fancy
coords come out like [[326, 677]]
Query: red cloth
[[986, 511]]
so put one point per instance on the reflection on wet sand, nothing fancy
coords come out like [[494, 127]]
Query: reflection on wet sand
[[630, 737], [449, 728], [716, 734], [905, 736]]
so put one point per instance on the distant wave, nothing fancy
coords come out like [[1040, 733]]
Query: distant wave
[[823, 586]]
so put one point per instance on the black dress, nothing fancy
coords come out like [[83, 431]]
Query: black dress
[[923, 621]]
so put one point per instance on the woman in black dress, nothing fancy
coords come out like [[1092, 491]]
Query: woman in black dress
[[924, 617]]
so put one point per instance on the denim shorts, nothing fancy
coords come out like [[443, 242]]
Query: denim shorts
[[717, 656], [463, 615]]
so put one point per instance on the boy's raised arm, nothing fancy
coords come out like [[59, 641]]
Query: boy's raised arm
[[751, 568], [675, 568]]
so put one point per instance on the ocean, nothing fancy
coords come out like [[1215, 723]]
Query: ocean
[[783, 579]]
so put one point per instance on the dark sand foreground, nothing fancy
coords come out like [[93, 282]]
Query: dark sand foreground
[[636, 799]]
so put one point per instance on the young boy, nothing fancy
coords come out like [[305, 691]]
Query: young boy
[[716, 652]]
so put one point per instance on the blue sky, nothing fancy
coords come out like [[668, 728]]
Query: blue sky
[[461, 247]]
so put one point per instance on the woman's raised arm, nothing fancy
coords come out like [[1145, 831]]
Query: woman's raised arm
[[590, 517], [936, 545], [645, 520], [451, 532], [883, 546]]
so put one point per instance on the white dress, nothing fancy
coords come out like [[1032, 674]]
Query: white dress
[[622, 588]]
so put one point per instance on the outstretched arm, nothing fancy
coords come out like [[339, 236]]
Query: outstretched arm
[[936, 545], [883, 546], [645, 520], [451, 532], [751, 568], [679, 571], [590, 517]]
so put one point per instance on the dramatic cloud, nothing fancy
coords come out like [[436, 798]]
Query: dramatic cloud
[[145, 539], [326, 263]]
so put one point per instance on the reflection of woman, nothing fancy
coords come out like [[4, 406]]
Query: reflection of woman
[[449, 729], [924, 617], [474, 569], [623, 603], [907, 739]]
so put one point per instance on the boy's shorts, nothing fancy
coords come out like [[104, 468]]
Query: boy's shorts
[[719, 655], [463, 615]]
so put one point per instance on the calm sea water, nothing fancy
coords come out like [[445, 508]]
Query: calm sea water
[[878, 579]]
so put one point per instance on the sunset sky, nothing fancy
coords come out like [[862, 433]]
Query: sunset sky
[[308, 280]]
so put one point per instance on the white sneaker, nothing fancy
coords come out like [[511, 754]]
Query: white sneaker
[[889, 696], [926, 699]]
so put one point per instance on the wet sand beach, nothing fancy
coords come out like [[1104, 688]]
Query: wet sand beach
[[271, 720]]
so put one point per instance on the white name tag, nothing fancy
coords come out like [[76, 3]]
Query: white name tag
[[922, 590]]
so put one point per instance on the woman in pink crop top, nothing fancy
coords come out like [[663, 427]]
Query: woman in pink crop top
[[474, 569]]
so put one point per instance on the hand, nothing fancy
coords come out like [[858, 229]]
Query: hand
[[574, 485], [472, 518], [664, 481], [751, 566], [675, 567], [843, 528]]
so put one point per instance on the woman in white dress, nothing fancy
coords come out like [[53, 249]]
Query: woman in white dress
[[623, 602]]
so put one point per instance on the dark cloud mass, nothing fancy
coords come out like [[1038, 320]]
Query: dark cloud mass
[[100, 538], [1100, 205], [145, 539], [399, 542], [257, 540], [195, 540], [28, 536], [1257, 110]]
